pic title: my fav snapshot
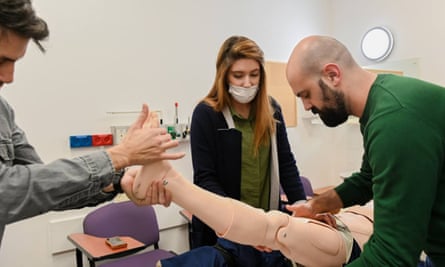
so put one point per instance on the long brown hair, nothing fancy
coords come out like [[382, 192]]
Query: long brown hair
[[234, 48]]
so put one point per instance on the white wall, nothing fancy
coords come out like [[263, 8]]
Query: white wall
[[417, 27], [107, 56]]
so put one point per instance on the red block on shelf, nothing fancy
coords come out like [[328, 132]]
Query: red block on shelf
[[102, 139]]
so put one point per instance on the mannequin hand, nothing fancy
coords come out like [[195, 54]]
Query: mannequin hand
[[156, 192]]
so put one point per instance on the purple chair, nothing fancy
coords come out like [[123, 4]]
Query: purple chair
[[307, 186], [127, 219]]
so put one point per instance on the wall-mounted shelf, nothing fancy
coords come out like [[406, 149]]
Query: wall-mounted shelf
[[122, 112]]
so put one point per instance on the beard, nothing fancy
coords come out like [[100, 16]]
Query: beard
[[332, 116]]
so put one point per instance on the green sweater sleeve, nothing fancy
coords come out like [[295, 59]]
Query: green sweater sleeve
[[403, 154], [357, 189]]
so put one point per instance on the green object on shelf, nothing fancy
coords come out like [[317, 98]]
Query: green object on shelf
[[172, 131]]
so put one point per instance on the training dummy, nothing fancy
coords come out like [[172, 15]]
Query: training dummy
[[306, 241]]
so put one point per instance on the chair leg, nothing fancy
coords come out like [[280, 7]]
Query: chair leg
[[190, 233], [79, 262], [92, 263]]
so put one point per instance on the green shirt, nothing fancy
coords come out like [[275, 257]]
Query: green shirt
[[403, 170], [255, 170]]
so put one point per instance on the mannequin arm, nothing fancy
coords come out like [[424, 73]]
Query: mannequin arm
[[306, 241], [224, 214]]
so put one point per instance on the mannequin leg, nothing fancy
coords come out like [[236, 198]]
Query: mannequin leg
[[143, 181], [306, 241], [229, 218]]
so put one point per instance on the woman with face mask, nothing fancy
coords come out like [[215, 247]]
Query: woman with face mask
[[240, 150]]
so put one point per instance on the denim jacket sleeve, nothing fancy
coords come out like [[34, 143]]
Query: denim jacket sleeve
[[29, 188]]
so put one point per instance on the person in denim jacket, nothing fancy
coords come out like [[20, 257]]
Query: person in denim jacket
[[28, 187]]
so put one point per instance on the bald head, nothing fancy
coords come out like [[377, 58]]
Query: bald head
[[313, 52], [319, 64]]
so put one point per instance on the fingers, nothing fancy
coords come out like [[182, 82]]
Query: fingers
[[327, 218], [127, 186], [153, 196], [169, 143], [263, 248], [143, 116], [142, 202], [164, 138], [150, 173], [168, 196], [155, 119], [142, 187], [161, 193], [152, 121], [290, 207], [155, 192], [172, 156], [160, 137], [298, 210], [160, 133]]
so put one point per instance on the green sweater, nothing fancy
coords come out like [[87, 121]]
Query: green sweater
[[403, 171]]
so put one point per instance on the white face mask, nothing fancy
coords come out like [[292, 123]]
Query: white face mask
[[243, 94]]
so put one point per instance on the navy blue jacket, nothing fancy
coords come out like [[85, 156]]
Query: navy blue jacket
[[216, 158]]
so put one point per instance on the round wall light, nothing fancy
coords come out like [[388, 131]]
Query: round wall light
[[377, 43]]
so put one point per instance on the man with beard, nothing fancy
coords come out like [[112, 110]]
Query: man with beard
[[404, 150]]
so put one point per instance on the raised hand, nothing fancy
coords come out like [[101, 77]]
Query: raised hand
[[144, 142]]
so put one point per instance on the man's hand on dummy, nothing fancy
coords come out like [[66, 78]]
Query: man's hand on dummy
[[305, 210], [143, 143], [156, 192]]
